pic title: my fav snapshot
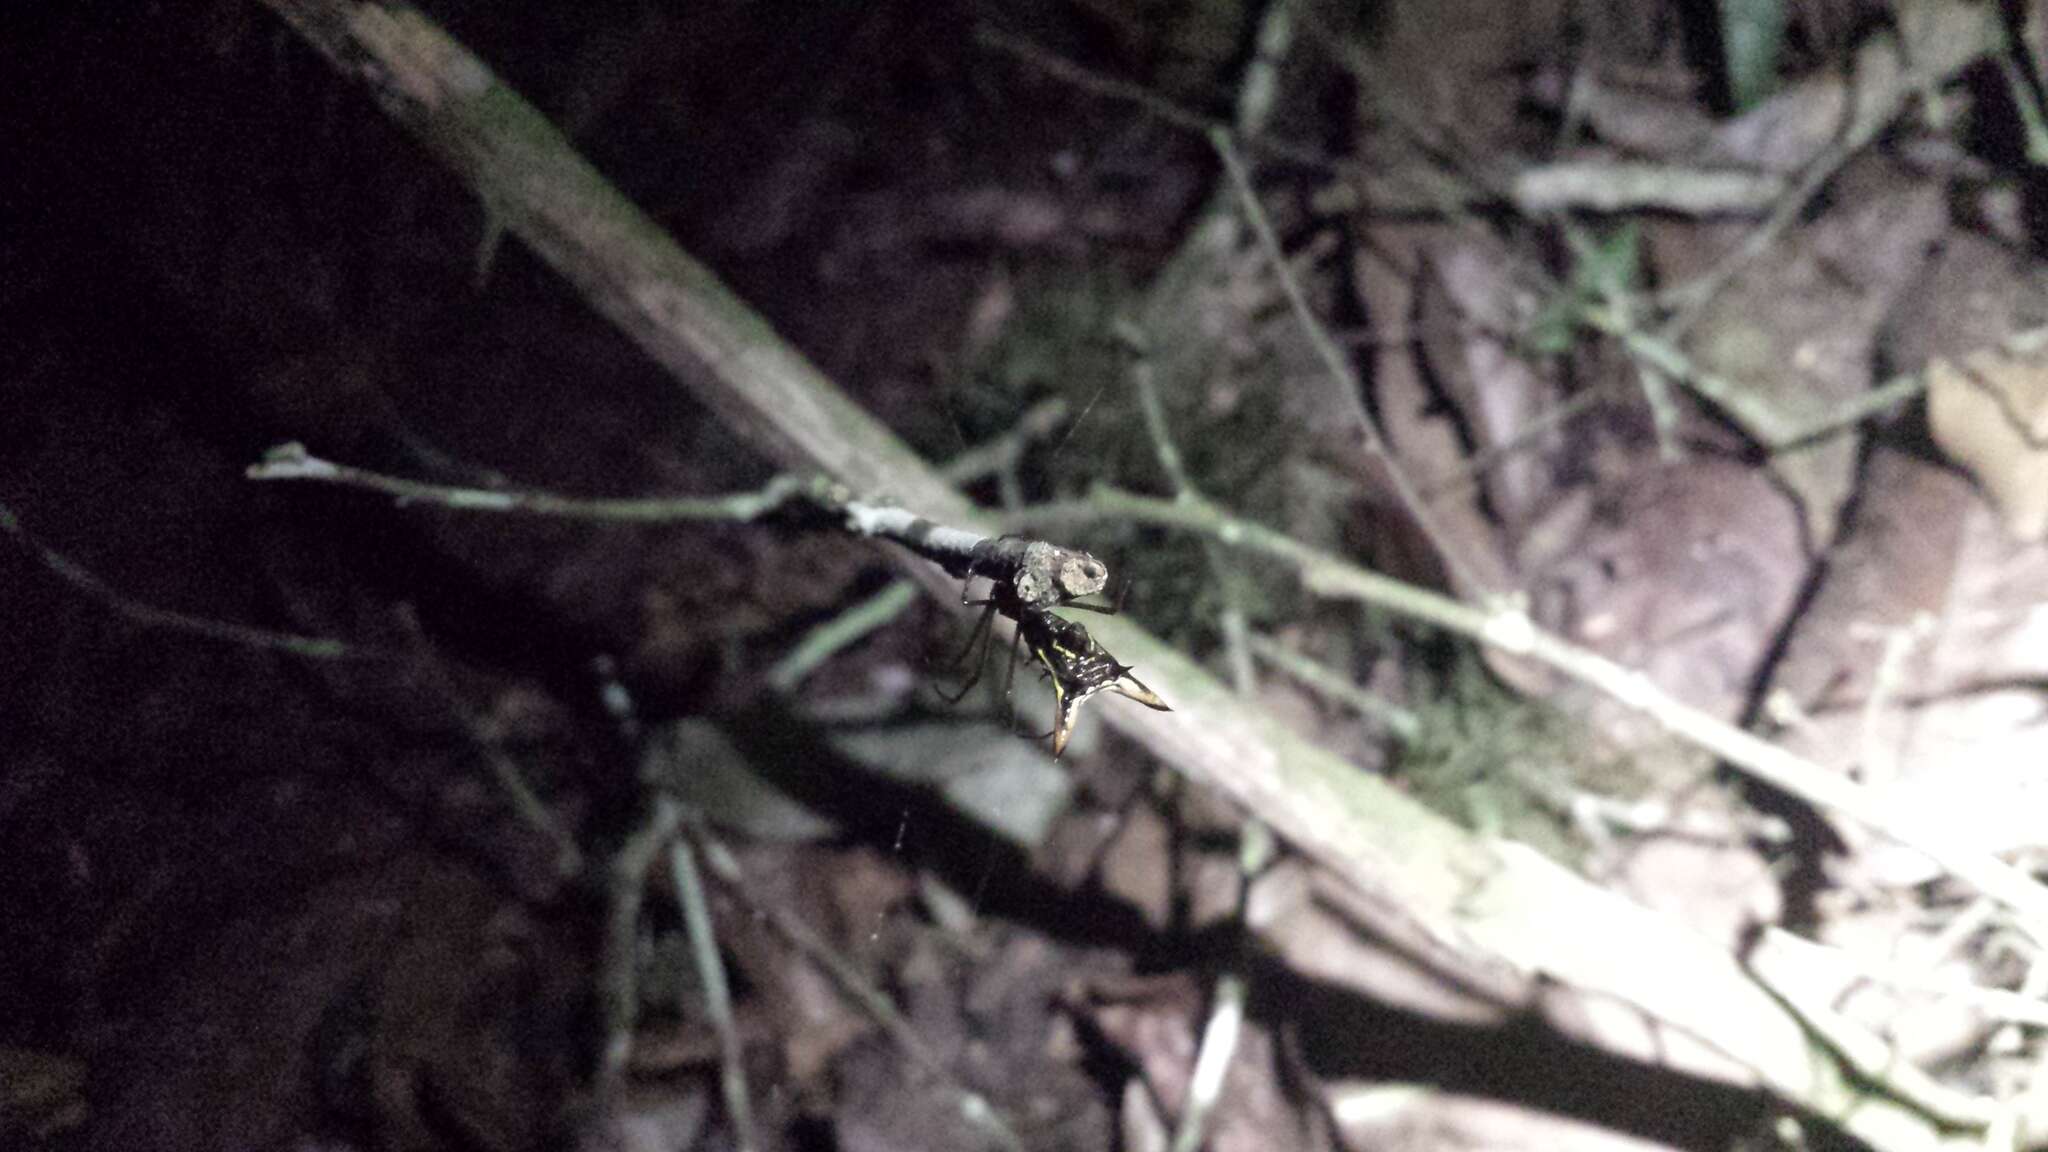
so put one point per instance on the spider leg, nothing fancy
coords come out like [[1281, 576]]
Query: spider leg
[[1010, 679], [982, 635]]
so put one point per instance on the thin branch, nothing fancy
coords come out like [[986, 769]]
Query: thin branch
[[1259, 89], [1755, 415], [1401, 722], [1613, 187], [1511, 631], [618, 967], [1689, 301], [717, 993], [1750, 410], [135, 611], [1343, 377], [1469, 470], [526, 803], [1612, 289], [1869, 1055], [1152, 103], [1870, 405], [1042, 573], [1935, 44], [1212, 1062], [1991, 1003], [1535, 190], [1001, 454], [293, 462], [1243, 676], [870, 999], [839, 633]]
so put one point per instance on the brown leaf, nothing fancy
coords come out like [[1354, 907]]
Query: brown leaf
[[1990, 414], [1919, 663]]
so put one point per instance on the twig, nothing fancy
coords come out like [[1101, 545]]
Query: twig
[[1537, 189], [1511, 631], [1566, 186], [1212, 1062], [85, 581], [1259, 89], [1753, 413], [1610, 287], [1613, 187], [1870, 1055], [857, 988], [293, 462], [1471, 468], [2026, 98], [1042, 573], [1426, 138], [1896, 645], [1884, 86], [1401, 722], [842, 631], [1756, 416], [1343, 377], [1936, 42], [1203, 251], [1002, 453], [1868, 406], [1242, 675], [1256, 850], [618, 968], [1991, 1003], [717, 994], [857, 622], [526, 803], [1689, 301], [1152, 103]]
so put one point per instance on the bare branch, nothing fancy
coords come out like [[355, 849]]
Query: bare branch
[[150, 616], [1040, 573]]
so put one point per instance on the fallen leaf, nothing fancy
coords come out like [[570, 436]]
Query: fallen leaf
[[1990, 414], [1919, 663]]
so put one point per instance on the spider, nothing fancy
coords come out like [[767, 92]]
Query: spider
[[1077, 666]]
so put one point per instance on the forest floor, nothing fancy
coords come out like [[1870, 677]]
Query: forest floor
[[328, 823]]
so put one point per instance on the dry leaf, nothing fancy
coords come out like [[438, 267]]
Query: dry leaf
[[1684, 571], [1918, 665], [1990, 414], [1791, 340]]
